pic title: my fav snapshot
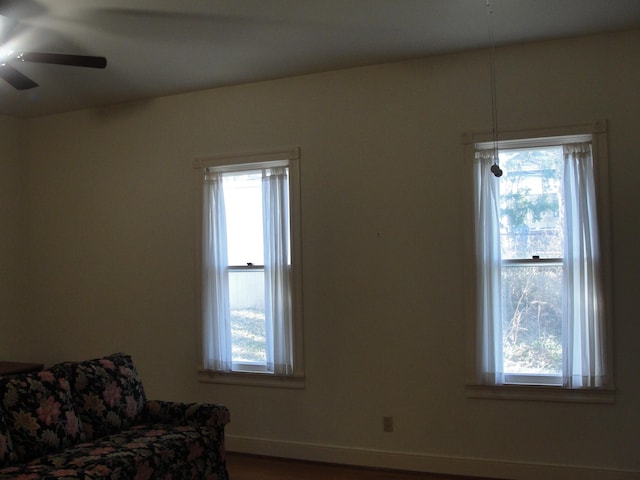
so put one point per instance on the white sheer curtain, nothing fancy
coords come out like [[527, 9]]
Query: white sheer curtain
[[583, 304], [488, 257], [583, 334], [278, 303], [215, 280]]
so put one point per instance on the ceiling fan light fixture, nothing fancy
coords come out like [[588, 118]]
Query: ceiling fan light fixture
[[6, 55]]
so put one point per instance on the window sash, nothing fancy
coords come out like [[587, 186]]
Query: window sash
[[246, 366], [545, 324], [531, 261]]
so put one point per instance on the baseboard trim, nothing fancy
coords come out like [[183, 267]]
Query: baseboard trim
[[447, 465]]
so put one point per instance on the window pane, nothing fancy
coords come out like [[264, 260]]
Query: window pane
[[248, 333], [532, 319], [243, 205], [530, 203]]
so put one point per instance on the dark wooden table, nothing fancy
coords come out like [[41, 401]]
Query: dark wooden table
[[14, 368]]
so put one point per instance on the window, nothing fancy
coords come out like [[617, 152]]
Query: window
[[541, 295], [250, 268]]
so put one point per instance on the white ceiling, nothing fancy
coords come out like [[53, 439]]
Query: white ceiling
[[160, 47]]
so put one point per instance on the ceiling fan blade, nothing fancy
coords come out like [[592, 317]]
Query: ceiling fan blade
[[15, 78], [64, 59]]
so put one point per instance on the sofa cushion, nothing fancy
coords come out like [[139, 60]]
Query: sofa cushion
[[107, 393], [39, 413], [7, 453], [144, 452]]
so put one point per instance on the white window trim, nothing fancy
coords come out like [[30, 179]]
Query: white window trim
[[251, 379], [241, 161], [517, 390]]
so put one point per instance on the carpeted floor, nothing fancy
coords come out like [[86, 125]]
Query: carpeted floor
[[250, 467]]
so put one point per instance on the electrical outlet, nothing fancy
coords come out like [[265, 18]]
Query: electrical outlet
[[387, 424]]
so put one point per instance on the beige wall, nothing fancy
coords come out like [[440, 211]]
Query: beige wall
[[112, 227], [13, 242]]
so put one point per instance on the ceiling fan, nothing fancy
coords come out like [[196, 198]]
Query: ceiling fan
[[22, 82], [11, 12]]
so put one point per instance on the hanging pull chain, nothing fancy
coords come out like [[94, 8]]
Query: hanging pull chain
[[495, 169]]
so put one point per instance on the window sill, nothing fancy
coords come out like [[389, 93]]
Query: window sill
[[541, 393], [250, 379]]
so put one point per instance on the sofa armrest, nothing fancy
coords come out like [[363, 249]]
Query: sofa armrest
[[178, 413]]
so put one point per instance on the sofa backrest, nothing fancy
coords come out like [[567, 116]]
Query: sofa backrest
[[39, 415], [107, 393]]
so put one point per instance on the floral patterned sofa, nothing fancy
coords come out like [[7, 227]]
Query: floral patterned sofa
[[91, 420]]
